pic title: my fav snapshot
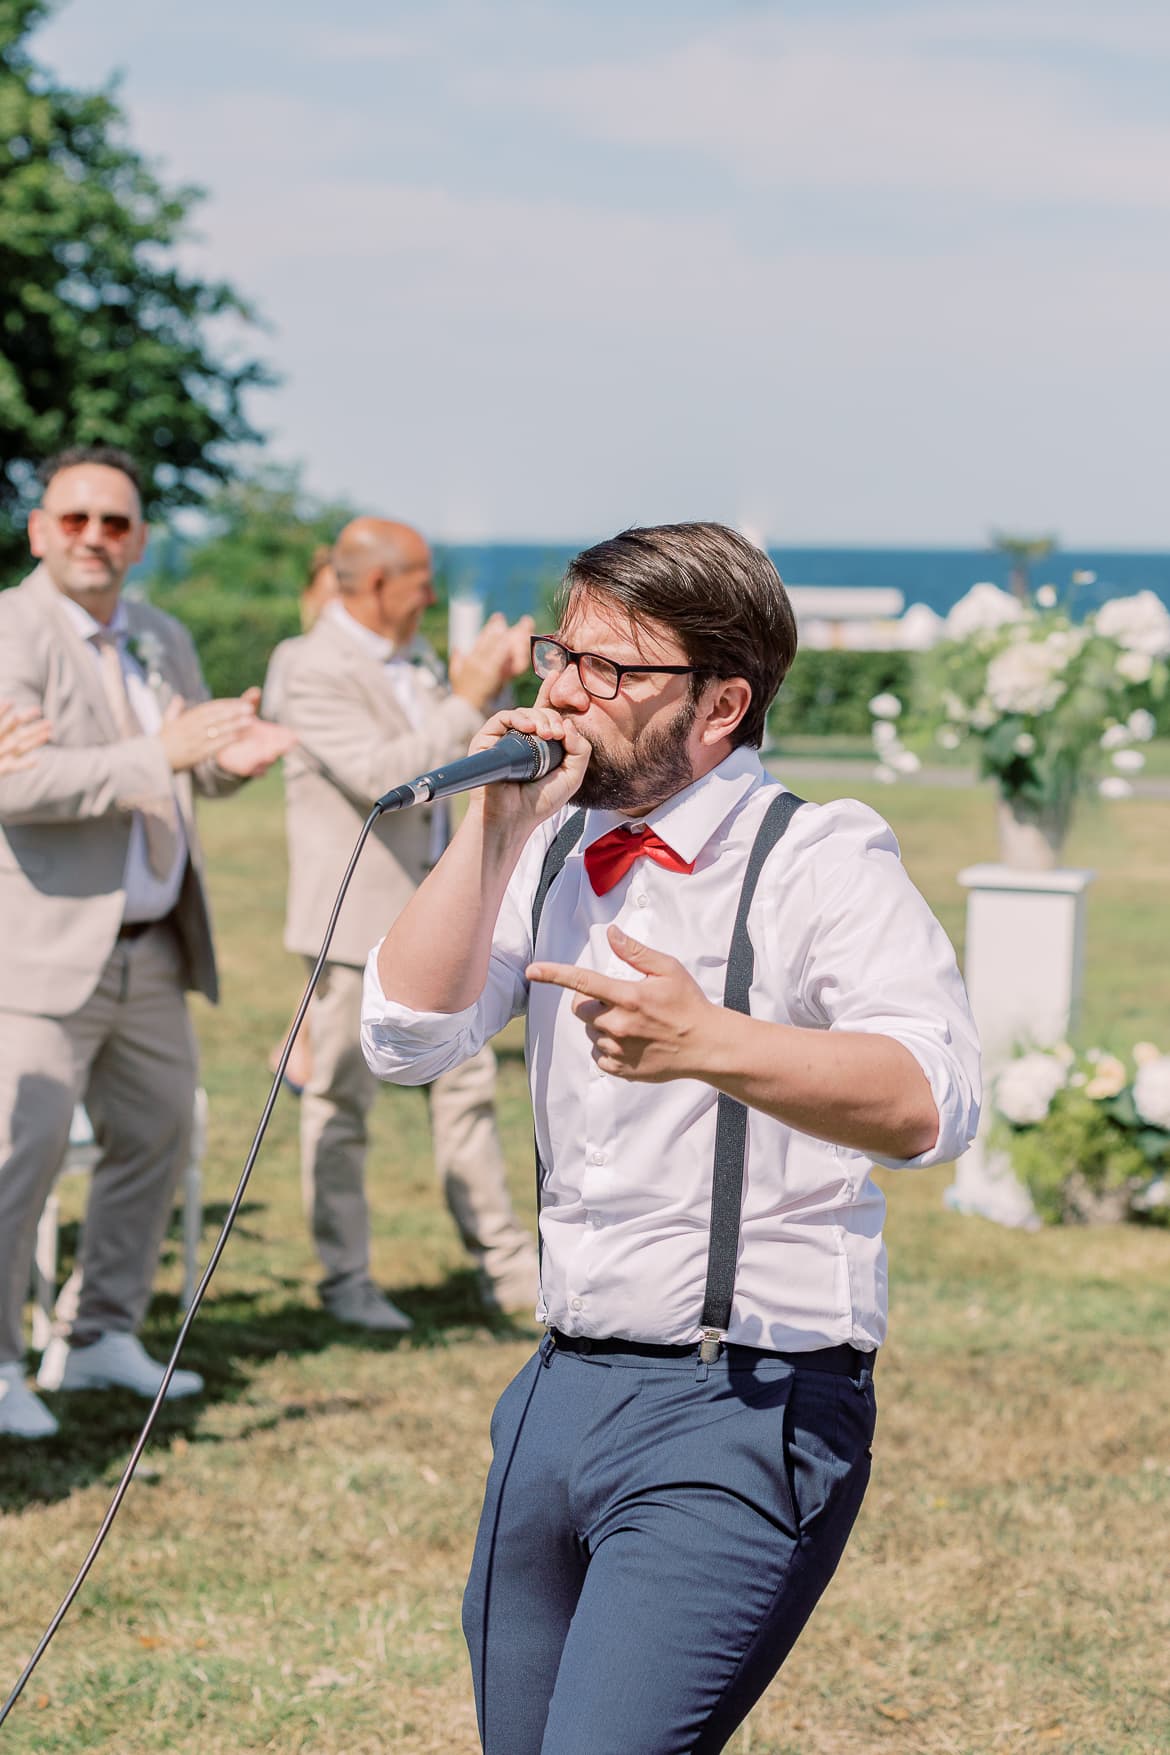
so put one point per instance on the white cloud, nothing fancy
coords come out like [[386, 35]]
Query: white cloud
[[886, 103]]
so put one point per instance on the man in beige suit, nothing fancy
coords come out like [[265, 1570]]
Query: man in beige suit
[[105, 918], [371, 708]]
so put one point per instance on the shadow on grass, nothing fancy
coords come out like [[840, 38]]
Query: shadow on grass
[[230, 1337]]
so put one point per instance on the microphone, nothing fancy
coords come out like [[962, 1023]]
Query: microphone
[[516, 756]]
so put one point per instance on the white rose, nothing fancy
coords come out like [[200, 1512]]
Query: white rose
[[1155, 1194], [1046, 597], [984, 608], [953, 706], [1109, 1078], [948, 737], [887, 776], [1113, 786], [983, 715], [1151, 1091], [905, 762], [1134, 667], [1129, 761], [884, 734], [1025, 1089], [1142, 724], [885, 706], [1022, 679], [1115, 737], [1065, 643], [1140, 623], [1145, 1052], [1025, 744]]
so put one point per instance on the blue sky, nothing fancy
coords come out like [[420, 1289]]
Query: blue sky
[[834, 272]]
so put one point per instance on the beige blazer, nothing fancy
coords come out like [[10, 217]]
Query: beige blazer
[[65, 822], [355, 744]]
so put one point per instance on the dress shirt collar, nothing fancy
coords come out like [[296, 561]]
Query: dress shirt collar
[[377, 646], [688, 819], [88, 626]]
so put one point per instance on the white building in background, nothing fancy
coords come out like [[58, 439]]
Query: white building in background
[[862, 618]]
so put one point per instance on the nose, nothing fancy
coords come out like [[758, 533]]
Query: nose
[[566, 690]]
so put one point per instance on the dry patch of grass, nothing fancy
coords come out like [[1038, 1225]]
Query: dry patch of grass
[[286, 1574]]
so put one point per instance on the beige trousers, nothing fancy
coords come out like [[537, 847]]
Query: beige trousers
[[468, 1160], [129, 1055]]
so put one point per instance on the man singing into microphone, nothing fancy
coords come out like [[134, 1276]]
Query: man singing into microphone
[[737, 1004]]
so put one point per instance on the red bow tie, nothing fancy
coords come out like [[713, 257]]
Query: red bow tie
[[610, 857]]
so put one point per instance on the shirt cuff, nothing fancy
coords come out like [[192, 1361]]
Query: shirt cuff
[[408, 1047], [955, 1097]]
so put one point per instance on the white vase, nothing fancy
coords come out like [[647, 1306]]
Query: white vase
[[1031, 838]]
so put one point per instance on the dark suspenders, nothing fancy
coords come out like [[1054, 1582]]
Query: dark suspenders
[[731, 1115]]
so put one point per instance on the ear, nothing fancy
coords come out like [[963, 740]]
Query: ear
[[722, 706], [36, 533]]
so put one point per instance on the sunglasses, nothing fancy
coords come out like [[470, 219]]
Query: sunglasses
[[115, 526]]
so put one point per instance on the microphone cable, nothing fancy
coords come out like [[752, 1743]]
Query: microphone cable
[[213, 1262]]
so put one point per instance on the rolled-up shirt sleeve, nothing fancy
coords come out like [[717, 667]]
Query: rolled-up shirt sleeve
[[877, 961], [408, 1047]]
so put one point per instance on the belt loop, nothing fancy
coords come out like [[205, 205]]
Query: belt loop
[[548, 1347]]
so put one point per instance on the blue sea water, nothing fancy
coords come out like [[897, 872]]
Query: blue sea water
[[517, 578]]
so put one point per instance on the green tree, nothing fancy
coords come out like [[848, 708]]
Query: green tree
[[102, 336], [1023, 552], [260, 537]]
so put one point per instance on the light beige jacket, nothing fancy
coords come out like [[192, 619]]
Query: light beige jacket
[[65, 822], [356, 743]]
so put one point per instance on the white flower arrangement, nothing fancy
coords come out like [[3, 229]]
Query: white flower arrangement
[[1088, 1133], [1044, 701]]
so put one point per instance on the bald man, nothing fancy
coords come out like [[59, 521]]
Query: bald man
[[372, 708]]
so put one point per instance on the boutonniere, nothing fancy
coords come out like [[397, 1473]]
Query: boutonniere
[[148, 652]]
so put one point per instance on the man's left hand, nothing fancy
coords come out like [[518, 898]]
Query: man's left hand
[[651, 1030], [253, 754]]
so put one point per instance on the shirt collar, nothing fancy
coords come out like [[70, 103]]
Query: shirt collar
[[376, 645], [688, 819], [88, 626]]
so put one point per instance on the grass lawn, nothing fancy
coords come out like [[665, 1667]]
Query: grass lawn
[[286, 1573]]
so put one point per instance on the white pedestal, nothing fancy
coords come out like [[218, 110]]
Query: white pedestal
[[1025, 948]]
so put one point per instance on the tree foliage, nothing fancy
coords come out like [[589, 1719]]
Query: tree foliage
[[103, 336]]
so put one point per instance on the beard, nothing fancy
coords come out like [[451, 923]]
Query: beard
[[654, 767]]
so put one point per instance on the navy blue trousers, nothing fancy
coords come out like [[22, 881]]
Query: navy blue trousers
[[652, 1541]]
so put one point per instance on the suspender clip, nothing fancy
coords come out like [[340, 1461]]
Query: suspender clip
[[710, 1346]]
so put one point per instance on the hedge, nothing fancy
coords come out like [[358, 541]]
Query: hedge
[[827, 694]]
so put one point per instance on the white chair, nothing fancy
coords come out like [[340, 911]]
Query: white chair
[[81, 1156]]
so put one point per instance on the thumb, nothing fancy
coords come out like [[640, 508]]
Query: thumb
[[640, 956]]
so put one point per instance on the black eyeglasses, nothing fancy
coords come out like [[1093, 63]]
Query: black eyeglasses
[[600, 677]]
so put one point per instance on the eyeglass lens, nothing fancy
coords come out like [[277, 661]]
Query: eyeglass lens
[[599, 676], [114, 524]]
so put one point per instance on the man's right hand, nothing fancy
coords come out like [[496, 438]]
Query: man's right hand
[[520, 805], [479, 674], [191, 735]]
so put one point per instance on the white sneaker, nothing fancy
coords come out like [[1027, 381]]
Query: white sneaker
[[364, 1305], [115, 1360], [22, 1414]]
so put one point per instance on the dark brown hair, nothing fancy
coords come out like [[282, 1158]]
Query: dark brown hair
[[718, 594], [110, 456]]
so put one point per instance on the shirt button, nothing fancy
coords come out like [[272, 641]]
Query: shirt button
[[598, 1157], [640, 900], [636, 828], [576, 1303]]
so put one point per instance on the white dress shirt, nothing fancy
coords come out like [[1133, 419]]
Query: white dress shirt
[[147, 897], [417, 687], [843, 941]]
